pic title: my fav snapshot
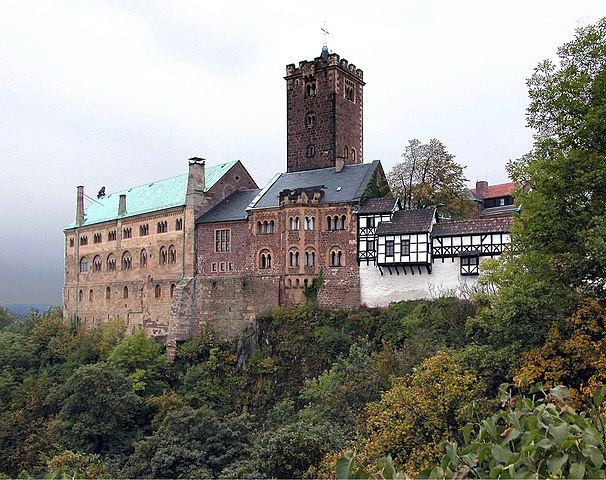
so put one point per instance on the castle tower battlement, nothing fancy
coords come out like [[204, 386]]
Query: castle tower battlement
[[324, 113]]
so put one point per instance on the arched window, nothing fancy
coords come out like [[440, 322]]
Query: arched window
[[127, 261], [162, 227], [172, 290], [125, 292], [343, 224], [329, 223], [172, 254], [97, 262], [353, 154], [336, 257], [294, 223], [91, 295], [272, 226], [143, 258], [265, 259], [294, 258], [83, 265], [158, 291], [108, 293], [310, 120], [309, 223], [345, 151], [259, 228], [309, 258], [111, 263], [310, 89], [335, 223], [310, 152], [81, 295], [163, 257], [179, 224]]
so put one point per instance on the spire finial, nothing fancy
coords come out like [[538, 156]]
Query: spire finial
[[326, 32]]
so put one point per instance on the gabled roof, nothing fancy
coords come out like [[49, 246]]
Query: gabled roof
[[230, 208], [379, 205], [408, 221], [496, 191], [150, 197], [346, 186], [475, 226]]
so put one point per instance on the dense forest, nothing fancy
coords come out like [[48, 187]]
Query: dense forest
[[506, 383]]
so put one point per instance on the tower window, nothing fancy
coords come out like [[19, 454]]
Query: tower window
[[310, 120], [349, 92], [310, 89], [310, 152]]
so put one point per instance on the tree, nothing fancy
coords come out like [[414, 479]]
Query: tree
[[420, 411], [190, 444], [142, 359], [574, 356], [100, 411], [558, 248], [530, 437], [430, 177]]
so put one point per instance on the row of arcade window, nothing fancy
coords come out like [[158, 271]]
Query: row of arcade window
[[265, 228], [166, 256], [108, 293], [127, 232], [336, 223], [309, 258], [309, 223]]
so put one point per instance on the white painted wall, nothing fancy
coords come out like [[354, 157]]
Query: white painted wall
[[380, 291]]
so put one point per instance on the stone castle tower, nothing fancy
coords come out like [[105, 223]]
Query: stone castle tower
[[324, 113]]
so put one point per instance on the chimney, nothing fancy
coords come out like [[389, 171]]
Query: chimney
[[122, 204], [339, 164], [196, 177], [80, 205], [481, 188]]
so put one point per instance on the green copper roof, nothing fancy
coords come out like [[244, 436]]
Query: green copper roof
[[151, 197]]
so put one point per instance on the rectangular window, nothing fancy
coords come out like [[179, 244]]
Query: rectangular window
[[222, 266], [470, 265], [405, 248], [370, 222], [214, 266], [389, 248], [222, 240], [230, 266], [370, 245]]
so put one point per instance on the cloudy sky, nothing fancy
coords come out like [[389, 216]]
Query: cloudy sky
[[120, 93]]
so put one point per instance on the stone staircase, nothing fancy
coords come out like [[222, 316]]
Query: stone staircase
[[180, 320]]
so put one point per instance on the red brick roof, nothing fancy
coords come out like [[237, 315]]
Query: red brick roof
[[496, 191], [499, 224], [408, 221]]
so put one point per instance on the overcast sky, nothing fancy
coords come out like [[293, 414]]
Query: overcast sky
[[120, 93]]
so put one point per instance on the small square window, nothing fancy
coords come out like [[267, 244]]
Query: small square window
[[470, 265]]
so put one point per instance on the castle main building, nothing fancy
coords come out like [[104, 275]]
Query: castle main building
[[210, 247]]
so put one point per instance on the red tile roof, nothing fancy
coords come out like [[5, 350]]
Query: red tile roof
[[408, 221], [378, 205], [496, 191], [499, 224]]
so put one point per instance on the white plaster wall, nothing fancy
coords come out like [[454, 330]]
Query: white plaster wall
[[380, 291]]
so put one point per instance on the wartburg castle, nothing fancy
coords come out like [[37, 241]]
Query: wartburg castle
[[211, 247]]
